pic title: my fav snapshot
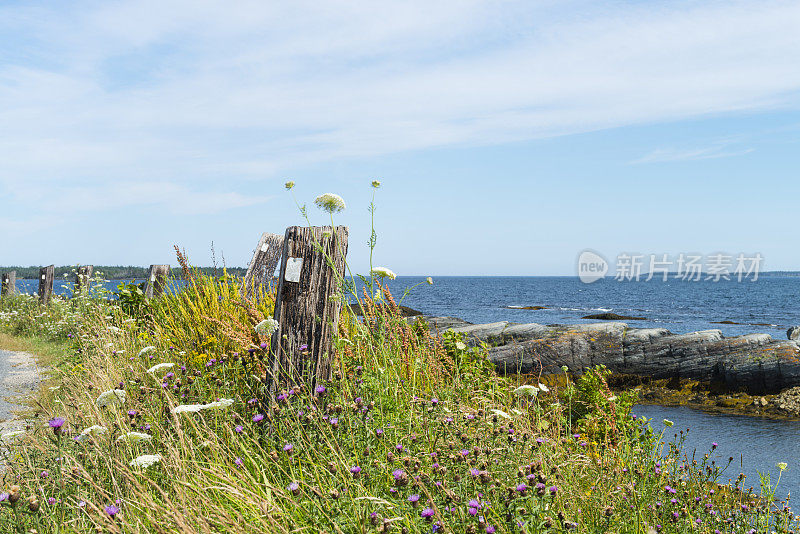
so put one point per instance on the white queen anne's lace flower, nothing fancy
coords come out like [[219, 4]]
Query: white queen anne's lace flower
[[330, 202], [134, 437], [159, 367], [145, 460], [194, 408], [384, 272], [91, 432], [526, 390], [147, 349], [267, 327], [112, 397]]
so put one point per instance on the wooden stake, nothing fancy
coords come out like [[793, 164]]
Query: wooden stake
[[156, 281], [262, 265], [46, 275], [82, 278], [9, 286], [307, 307]]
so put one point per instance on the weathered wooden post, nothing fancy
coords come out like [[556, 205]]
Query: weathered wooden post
[[262, 265], [46, 275], [156, 281], [82, 278], [307, 311], [9, 286]]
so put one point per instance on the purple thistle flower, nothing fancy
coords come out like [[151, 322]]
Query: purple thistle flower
[[257, 418], [474, 472], [238, 462], [319, 390], [3, 496], [239, 429], [51, 501], [490, 529], [45, 474], [304, 346], [112, 510], [473, 503], [427, 513], [522, 488], [553, 490], [294, 487], [413, 499], [378, 432], [288, 448], [355, 471], [56, 423]]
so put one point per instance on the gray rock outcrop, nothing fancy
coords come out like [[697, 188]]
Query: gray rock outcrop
[[755, 363], [793, 333]]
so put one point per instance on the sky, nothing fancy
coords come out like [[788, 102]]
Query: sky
[[508, 136]]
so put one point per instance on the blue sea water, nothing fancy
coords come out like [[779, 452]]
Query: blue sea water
[[679, 306]]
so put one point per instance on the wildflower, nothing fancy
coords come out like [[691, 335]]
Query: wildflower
[[400, 477], [429, 280], [91, 432], [526, 390], [194, 408], [145, 460], [501, 413], [414, 500], [713, 445], [158, 367], [288, 448], [667, 422], [146, 350], [134, 437], [267, 327], [383, 272], [294, 487], [257, 418], [490, 529], [543, 388], [355, 471], [522, 489], [239, 429], [56, 423], [289, 185], [427, 514], [782, 465], [330, 202], [238, 462], [376, 184], [112, 510], [112, 397], [319, 390]]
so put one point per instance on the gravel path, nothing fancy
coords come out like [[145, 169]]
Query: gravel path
[[19, 377]]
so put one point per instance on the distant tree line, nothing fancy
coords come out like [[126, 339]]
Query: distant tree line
[[117, 272]]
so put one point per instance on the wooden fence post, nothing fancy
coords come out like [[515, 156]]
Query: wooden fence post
[[46, 275], [9, 286], [156, 281], [305, 307], [82, 278], [262, 265]]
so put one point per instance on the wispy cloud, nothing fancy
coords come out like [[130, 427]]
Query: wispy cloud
[[664, 155], [188, 93]]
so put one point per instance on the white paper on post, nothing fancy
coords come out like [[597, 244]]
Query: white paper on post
[[264, 247], [293, 268]]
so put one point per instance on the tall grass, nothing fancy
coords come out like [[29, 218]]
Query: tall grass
[[162, 421]]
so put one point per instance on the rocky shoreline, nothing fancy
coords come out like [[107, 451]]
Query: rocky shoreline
[[753, 374]]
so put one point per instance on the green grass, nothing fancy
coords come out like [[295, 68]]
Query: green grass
[[412, 433]]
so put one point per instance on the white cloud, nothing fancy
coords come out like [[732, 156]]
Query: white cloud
[[168, 90], [665, 155]]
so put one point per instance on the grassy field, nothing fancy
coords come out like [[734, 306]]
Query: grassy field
[[157, 417], [157, 420]]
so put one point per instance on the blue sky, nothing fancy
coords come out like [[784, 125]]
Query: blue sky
[[508, 136]]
